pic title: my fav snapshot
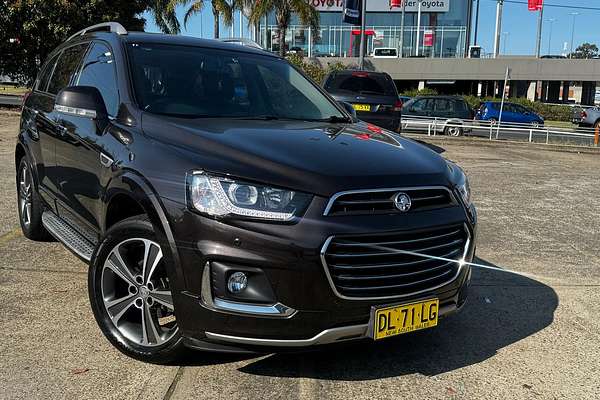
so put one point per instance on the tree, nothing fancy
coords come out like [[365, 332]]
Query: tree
[[220, 8], [585, 51], [247, 7], [283, 9], [31, 29]]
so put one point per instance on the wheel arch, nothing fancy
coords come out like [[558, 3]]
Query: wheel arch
[[136, 193]]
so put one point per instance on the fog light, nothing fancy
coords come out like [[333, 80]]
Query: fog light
[[237, 282]]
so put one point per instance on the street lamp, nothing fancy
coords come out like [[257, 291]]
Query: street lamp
[[551, 20], [574, 14]]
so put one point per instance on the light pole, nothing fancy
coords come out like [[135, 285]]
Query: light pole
[[574, 14], [476, 23], [538, 43], [551, 20], [498, 27]]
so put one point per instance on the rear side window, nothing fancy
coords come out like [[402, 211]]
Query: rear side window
[[66, 67], [422, 105], [362, 83], [44, 77], [98, 71]]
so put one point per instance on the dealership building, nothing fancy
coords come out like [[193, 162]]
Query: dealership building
[[443, 30]]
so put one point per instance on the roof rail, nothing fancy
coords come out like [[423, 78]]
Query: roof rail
[[242, 42], [105, 26]]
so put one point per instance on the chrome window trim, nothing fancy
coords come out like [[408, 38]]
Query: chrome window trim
[[341, 296], [400, 189], [276, 310]]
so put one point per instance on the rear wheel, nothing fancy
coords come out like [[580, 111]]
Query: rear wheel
[[535, 124], [454, 131], [30, 206], [130, 293]]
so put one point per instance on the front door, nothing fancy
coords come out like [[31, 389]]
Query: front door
[[83, 155]]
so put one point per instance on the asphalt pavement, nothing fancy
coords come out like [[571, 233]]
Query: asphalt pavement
[[529, 330]]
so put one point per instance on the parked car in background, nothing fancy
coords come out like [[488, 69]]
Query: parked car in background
[[372, 94], [587, 117], [511, 112], [405, 99], [385, 52], [450, 111]]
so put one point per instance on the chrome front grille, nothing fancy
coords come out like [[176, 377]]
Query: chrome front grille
[[381, 201], [371, 267]]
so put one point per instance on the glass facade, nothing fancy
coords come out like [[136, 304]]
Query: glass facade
[[441, 34]]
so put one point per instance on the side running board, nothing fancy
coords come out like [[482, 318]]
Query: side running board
[[62, 231]]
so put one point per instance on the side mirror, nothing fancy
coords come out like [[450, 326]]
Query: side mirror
[[81, 101], [349, 109]]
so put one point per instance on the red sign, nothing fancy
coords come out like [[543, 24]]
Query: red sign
[[395, 3], [535, 5], [428, 38]]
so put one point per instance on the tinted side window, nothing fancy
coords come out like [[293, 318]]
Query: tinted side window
[[44, 77], [422, 105], [98, 71], [66, 67]]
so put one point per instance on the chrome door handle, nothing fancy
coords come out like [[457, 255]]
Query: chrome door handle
[[105, 160]]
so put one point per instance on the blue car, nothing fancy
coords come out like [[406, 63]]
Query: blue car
[[513, 113]]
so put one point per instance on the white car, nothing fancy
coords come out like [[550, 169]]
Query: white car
[[385, 52]]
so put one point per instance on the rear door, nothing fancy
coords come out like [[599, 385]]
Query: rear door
[[48, 120], [38, 125]]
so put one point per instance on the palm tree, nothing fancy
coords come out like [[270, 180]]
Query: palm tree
[[247, 7], [163, 12], [283, 14], [220, 8]]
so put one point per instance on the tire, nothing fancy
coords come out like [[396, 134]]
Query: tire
[[597, 124], [454, 131], [493, 121], [29, 204], [130, 293], [535, 124]]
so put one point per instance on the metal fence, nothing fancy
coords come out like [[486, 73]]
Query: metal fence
[[582, 136]]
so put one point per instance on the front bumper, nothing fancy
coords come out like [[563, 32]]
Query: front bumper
[[289, 255]]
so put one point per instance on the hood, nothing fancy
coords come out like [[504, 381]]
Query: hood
[[318, 158]]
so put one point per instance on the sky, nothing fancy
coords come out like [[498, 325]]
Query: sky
[[519, 26]]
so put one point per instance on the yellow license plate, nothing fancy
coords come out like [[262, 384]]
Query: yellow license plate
[[404, 318], [362, 107]]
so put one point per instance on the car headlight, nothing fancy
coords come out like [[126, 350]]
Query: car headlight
[[220, 196], [464, 189]]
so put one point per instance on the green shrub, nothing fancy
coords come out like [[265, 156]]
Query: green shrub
[[422, 92], [314, 69]]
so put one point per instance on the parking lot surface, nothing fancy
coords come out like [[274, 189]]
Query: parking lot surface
[[525, 335]]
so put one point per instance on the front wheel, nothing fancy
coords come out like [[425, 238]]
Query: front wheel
[[130, 293]]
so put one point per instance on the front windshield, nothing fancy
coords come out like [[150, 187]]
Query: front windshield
[[197, 82]]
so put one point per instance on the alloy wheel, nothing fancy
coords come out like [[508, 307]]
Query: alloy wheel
[[454, 131], [136, 292], [25, 194]]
